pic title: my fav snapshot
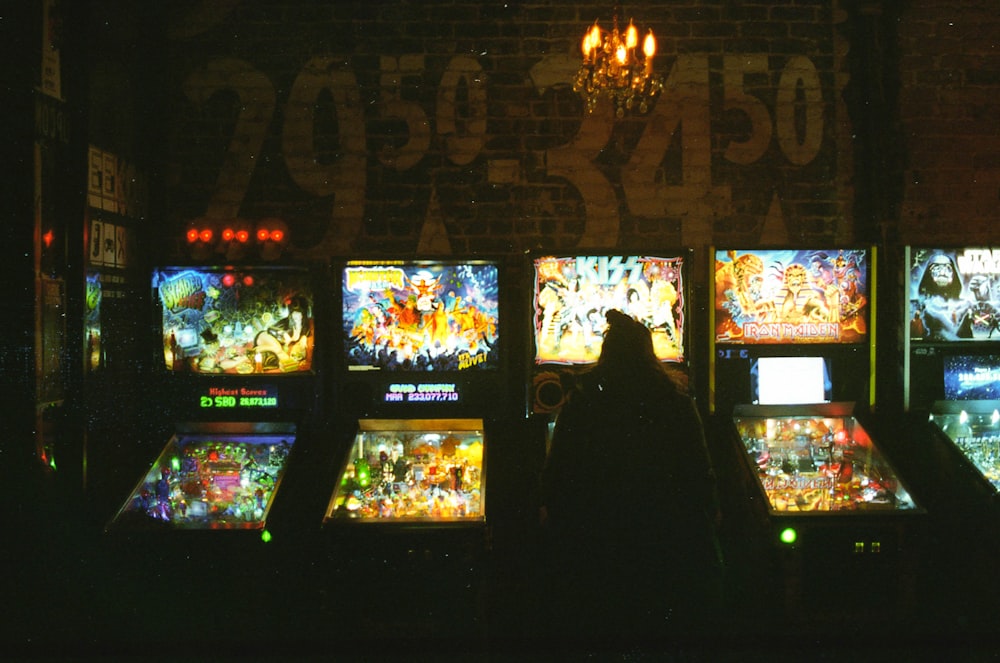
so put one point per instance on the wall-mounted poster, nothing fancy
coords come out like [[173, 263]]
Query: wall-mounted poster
[[791, 296], [954, 294]]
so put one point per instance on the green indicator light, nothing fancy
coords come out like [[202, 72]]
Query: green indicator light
[[175, 464], [265, 536], [788, 535], [362, 472], [52, 463]]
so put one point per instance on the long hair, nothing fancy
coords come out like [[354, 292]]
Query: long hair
[[627, 355]]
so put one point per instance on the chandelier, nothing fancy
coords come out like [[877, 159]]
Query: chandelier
[[612, 68]]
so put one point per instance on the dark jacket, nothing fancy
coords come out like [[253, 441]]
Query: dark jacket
[[630, 502], [629, 461]]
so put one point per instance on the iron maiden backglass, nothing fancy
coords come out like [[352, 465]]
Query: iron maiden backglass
[[791, 296]]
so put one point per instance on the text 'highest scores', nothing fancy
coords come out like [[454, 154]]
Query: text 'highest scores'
[[242, 397]]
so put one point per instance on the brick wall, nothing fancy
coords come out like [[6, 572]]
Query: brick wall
[[449, 127], [949, 110]]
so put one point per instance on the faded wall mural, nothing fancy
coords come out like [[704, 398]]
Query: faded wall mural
[[412, 127]]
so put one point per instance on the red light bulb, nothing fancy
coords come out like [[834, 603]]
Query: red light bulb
[[262, 235], [192, 235], [277, 235], [228, 234], [242, 236], [228, 280], [205, 235]]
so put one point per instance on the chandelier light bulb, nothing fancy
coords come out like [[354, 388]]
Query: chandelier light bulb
[[649, 50], [612, 68], [595, 39]]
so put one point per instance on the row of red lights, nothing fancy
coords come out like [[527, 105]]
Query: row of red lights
[[229, 280], [205, 235]]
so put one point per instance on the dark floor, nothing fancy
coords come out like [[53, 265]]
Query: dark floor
[[77, 592]]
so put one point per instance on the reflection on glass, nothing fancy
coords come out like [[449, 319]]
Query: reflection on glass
[[209, 482], [412, 470], [809, 463], [977, 436]]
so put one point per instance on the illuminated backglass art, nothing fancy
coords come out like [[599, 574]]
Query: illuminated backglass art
[[236, 321], [791, 296], [572, 294], [421, 316], [954, 295]]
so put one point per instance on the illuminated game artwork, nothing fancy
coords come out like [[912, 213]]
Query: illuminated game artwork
[[976, 433], [421, 316], [954, 295], [209, 482], [791, 296], [571, 295], [239, 321], [414, 470], [809, 463], [92, 323]]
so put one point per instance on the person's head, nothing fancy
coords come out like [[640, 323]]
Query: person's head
[[627, 343]]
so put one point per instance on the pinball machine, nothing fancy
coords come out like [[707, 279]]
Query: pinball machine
[[951, 414], [421, 373], [233, 391], [811, 492]]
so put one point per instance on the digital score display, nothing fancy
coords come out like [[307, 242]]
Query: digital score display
[[239, 397], [404, 392], [971, 377]]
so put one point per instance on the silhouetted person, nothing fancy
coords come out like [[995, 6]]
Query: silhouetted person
[[629, 503]]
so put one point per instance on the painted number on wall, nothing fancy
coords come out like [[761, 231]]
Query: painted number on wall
[[326, 90]]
